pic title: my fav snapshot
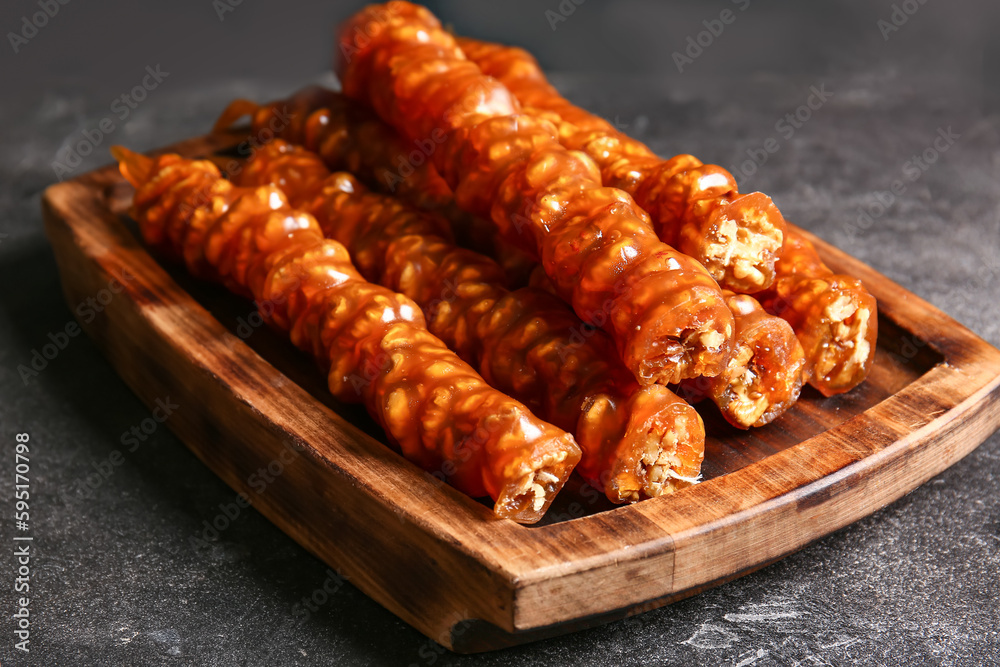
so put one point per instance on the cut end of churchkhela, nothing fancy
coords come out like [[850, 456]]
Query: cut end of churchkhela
[[739, 242], [662, 449], [688, 335], [845, 318], [528, 498], [764, 375], [695, 351], [836, 320], [746, 399]]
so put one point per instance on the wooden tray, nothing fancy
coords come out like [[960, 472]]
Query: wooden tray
[[437, 558]]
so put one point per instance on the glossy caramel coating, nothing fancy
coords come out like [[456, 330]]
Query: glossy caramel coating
[[662, 308], [351, 138], [764, 375], [637, 442], [833, 315], [695, 207], [765, 372], [374, 341]]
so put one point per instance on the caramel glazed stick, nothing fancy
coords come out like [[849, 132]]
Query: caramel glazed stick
[[637, 442], [350, 137], [697, 209], [440, 413], [664, 311]]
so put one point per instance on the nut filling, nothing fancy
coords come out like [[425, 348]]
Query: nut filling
[[693, 355], [848, 331], [539, 484], [746, 400], [660, 464], [743, 254]]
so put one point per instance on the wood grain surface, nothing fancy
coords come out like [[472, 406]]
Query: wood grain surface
[[438, 559]]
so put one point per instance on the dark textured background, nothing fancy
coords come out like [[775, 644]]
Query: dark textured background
[[115, 579]]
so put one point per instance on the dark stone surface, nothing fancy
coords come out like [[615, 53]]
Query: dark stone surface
[[115, 579]]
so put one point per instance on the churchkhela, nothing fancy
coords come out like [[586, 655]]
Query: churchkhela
[[742, 239], [374, 342], [662, 308], [695, 207]]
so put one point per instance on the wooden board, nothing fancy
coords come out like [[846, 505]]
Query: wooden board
[[437, 558]]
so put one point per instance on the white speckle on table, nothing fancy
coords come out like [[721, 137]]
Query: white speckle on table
[[756, 613], [168, 641], [711, 637], [752, 657]]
